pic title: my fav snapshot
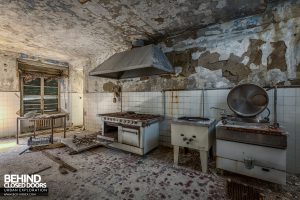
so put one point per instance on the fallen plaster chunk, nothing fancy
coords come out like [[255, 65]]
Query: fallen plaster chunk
[[178, 70]]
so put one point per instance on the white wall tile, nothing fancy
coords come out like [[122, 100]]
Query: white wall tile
[[9, 106], [298, 101], [189, 103], [289, 101], [289, 92], [297, 92]]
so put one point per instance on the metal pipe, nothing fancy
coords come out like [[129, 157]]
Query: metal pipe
[[203, 102], [195, 89], [170, 90], [121, 100], [164, 102], [275, 123]]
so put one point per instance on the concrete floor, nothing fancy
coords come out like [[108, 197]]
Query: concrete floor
[[113, 174]]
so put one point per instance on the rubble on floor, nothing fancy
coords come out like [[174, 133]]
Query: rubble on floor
[[80, 143], [104, 173]]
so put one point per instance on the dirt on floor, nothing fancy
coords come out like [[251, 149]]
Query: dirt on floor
[[104, 173]]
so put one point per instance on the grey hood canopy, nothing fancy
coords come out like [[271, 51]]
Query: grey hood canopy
[[137, 62]]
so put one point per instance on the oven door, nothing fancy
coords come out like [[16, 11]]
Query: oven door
[[129, 136]]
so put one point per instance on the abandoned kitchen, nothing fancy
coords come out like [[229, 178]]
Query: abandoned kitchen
[[150, 100]]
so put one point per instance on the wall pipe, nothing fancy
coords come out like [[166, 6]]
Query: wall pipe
[[164, 102]]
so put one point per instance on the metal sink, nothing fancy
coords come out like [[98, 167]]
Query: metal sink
[[193, 119]]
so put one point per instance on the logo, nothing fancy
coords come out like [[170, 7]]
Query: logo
[[23, 185]]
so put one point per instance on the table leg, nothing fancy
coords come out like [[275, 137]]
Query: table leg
[[52, 131], [17, 131], [203, 157], [34, 128], [176, 154], [65, 126]]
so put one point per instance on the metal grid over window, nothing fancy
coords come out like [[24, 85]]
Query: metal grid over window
[[40, 95]]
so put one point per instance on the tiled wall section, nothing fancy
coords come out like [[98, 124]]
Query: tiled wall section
[[73, 104], [189, 103], [9, 106], [97, 103]]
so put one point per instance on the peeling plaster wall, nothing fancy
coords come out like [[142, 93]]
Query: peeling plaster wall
[[71, 93], [68, 30], [9, 80], [246, 50], [261, 49]]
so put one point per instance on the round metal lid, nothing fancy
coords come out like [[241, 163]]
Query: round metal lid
[[247, 100]]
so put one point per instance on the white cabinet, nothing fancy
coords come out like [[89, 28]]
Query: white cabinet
[[267, 163], [199, 136]]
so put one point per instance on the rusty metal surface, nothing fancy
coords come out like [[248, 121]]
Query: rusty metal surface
[[241, 191], [131, 115], [276, 138], [197, 121], [48, 116]]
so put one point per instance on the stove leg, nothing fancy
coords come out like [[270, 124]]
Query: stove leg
[[203, 157], [176, 154]]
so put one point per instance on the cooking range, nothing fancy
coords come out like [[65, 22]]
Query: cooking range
[[134, 132], [247, 144]]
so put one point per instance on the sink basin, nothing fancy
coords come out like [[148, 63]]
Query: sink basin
[[193, 119]]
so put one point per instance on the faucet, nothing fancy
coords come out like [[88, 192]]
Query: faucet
[[222, 113]]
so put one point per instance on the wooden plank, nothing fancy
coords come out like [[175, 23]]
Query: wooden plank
[[41, 170], [81, 148], [24, 151], [61, 163], [85, 148]]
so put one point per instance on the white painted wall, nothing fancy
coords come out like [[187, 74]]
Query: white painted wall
[[188, 103], [9, 106]]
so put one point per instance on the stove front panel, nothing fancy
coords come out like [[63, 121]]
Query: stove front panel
[[252, 151], [252, 137], [129, 136], [132, 138]]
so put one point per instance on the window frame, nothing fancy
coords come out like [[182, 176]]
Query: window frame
[[42, 86]]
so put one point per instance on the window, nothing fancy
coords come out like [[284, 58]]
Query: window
[[40, 95]]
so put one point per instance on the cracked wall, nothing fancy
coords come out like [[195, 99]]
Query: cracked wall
[[68, 30], [9, 79], [261, 49], [71, 96]]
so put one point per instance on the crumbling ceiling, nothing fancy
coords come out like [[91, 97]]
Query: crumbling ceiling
[[68, 29]]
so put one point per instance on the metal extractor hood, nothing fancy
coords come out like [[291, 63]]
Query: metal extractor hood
[[137, 62]]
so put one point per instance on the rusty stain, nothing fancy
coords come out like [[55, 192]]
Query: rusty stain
[[174, 104]]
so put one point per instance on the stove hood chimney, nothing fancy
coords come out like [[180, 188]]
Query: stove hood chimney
[[137, 62]]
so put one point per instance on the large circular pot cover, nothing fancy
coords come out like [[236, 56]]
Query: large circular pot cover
[[247, 100]]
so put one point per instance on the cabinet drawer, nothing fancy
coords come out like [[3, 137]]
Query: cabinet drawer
[[182, 134], [264, 173], [262, 156]]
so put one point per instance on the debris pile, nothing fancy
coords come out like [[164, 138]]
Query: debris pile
[[86, 140]]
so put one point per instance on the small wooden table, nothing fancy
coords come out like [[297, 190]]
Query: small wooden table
[[51, 117]]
